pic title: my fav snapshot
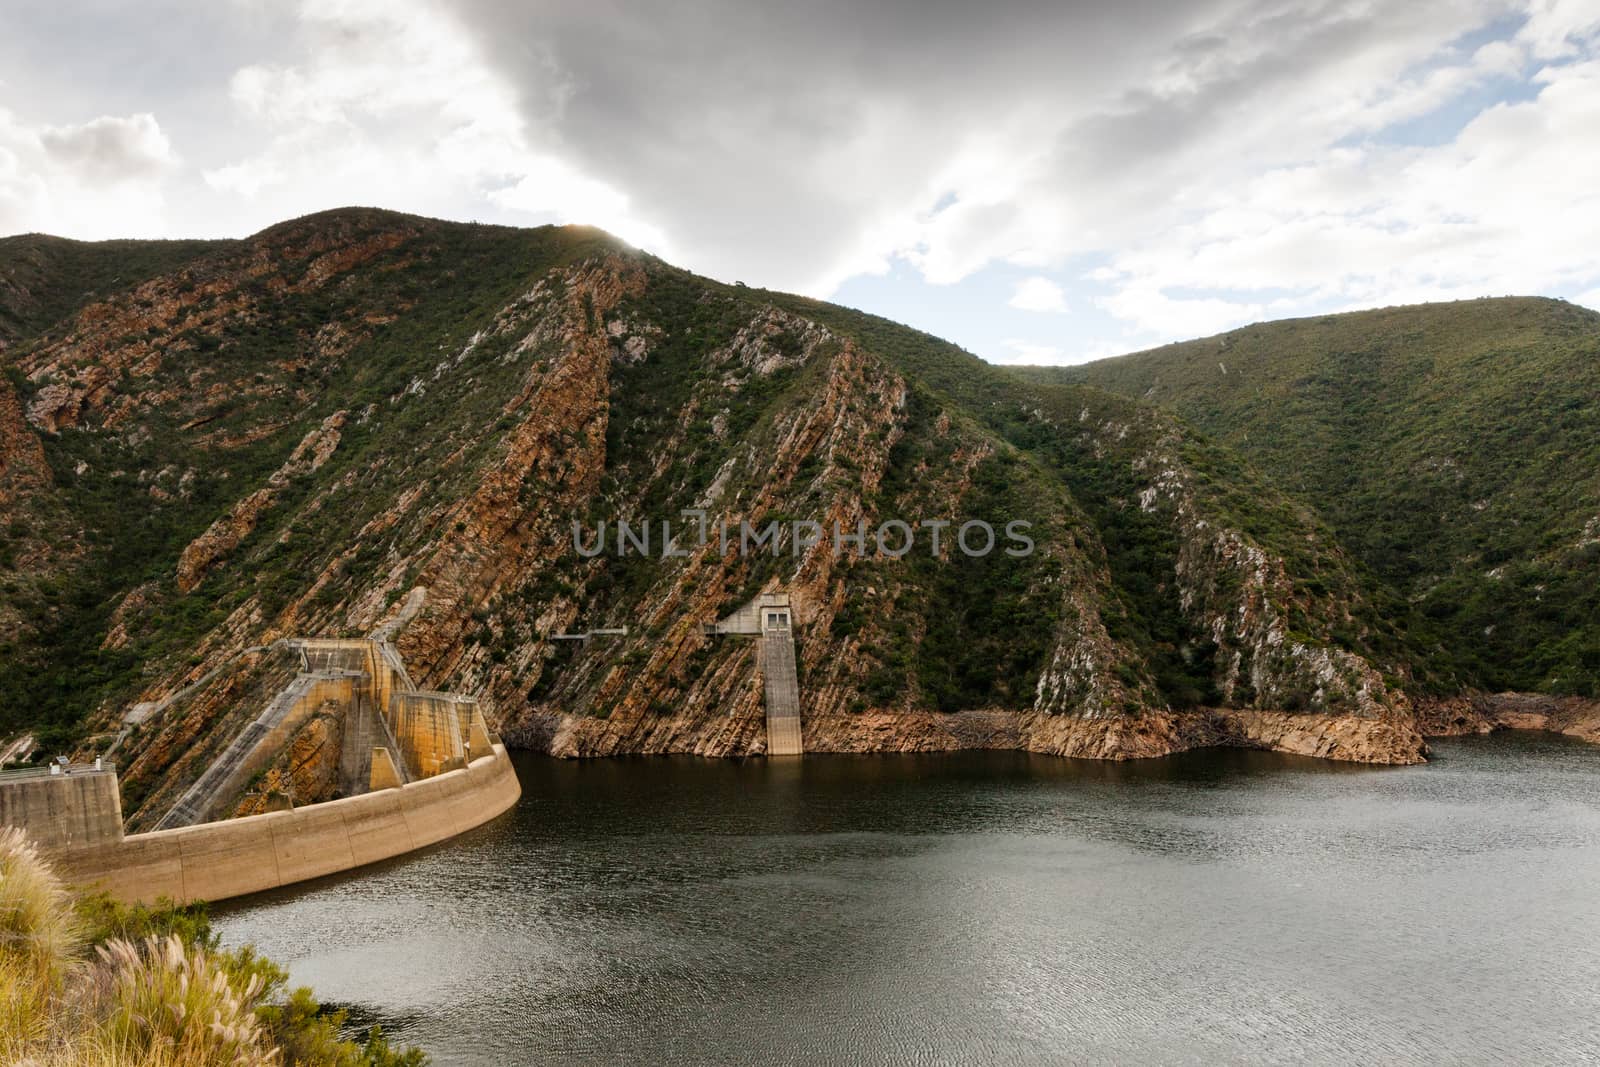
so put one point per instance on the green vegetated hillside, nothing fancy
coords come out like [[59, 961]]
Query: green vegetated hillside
[[1453, 448], [230, 442], [43, 279], [1109, 453]]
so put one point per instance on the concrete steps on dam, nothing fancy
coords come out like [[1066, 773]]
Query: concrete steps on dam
[[770, 618], [364, 682], [782, 693], [253, 746]]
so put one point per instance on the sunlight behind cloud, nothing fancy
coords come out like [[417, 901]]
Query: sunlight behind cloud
[[395, 97]]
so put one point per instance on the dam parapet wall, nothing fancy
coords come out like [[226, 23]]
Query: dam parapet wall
[[234, 857]]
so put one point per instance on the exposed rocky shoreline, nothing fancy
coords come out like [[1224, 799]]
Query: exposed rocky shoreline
[[1349, 738], [1338, 737], [1482, 713]]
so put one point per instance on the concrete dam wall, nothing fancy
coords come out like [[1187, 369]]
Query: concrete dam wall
[[258, 742], [218, 860], [415, 767], [77, 809], [385, 723]]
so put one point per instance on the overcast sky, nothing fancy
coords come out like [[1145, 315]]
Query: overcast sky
[[1045, 182]]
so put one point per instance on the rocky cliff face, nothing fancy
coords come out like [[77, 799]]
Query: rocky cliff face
[[303, 432], [25, 551]]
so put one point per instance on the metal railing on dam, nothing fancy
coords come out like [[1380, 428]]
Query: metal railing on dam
[[54, 770]]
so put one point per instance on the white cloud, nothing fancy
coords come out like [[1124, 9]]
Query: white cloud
[[1039, 294], [1235, 90], [816, 162], [1157, 315], [1558, 28], [391, 102], [1225, 159], [110, 148], [103, 176], [1508, 206]]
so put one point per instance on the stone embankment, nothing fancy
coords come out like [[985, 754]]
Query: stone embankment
[[1347, 738]]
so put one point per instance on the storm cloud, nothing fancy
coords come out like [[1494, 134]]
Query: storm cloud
[[1155, 169]]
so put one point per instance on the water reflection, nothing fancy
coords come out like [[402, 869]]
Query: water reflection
[[985, 906]]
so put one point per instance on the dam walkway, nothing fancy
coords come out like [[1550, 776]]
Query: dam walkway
[[782, 692]]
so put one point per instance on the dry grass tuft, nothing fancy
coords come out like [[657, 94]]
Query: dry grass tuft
[[159, 998], [154, 992], [38, 937], [153, 1003], [36, 915]]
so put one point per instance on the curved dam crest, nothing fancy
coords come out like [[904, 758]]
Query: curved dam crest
[[418, 766], [233, 857]]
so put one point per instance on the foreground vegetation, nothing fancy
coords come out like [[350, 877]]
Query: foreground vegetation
[[86, 981]]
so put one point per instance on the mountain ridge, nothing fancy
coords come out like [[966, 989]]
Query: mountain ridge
[[298, 431], [1453, 447]]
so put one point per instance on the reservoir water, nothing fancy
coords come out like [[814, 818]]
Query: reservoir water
[[985, 908]]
